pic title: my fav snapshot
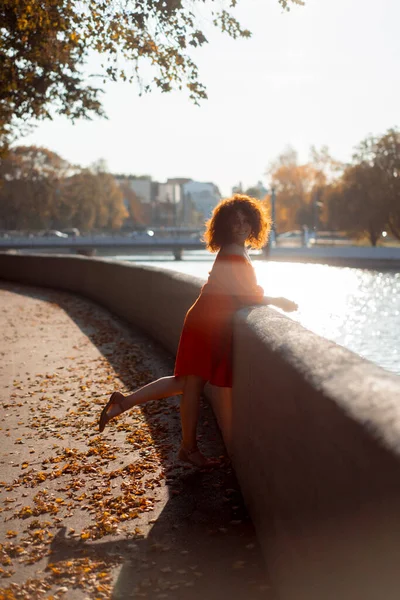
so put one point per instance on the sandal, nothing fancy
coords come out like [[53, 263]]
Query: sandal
[[195, 458], [115, 398]]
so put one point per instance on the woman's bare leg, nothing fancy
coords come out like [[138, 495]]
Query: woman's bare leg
[[190, 407], [156, 390]]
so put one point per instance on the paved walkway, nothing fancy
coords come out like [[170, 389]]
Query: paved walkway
[[87, 516]]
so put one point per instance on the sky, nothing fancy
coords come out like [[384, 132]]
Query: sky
[[322, 74]]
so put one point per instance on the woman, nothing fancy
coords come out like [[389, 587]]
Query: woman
[[205, 347]]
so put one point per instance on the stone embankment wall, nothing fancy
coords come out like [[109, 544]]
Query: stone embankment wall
[[314, 430], [361, 257]]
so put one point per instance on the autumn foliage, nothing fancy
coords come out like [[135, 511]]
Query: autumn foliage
[[40, 190], [44, 45], [361, 198], [298, 187], [366, 199]]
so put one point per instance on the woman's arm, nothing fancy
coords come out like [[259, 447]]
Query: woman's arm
[[283, 303], [241, 281]]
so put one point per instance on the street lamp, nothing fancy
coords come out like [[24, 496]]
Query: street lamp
[[317, 204], [273, 214]]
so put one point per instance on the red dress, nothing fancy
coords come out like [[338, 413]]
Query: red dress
[[205, 347]]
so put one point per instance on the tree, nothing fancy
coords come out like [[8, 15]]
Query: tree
[[42, 191], [357, 202], [112, 212], [382, 155], [386, 157], [327, 168], [133, 202], [30, 179], [300, 187], [295, 186], [94, 201], [44, 45]]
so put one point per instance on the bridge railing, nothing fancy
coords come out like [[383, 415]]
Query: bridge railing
[[98, 241]]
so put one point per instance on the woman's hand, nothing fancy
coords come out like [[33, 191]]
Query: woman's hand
[[285, 304]]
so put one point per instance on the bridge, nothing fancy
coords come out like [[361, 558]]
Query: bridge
[[175, 242]]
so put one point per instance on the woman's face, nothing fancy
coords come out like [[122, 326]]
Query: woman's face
[[241, 228]]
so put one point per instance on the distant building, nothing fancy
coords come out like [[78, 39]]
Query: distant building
[[255, 191], [177, 202], [167, 204], [205, 196], [143, 186], [182, 201], [169, 192], [145, 189], [237, 189]]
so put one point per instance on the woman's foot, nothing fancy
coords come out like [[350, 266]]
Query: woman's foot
[[195, 458], [112, 409]]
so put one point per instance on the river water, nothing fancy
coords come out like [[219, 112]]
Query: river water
[[357, 308]]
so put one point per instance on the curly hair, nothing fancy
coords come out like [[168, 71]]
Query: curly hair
[[219, 228]]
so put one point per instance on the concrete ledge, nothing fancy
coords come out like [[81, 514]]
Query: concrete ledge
[[316, 441], [316, 430]]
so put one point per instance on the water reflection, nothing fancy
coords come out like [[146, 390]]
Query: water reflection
[[357, 308]]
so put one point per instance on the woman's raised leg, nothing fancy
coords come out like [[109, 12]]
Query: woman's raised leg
[[156, 390]]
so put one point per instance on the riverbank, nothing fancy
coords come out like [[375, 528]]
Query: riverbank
[[361, 257]]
